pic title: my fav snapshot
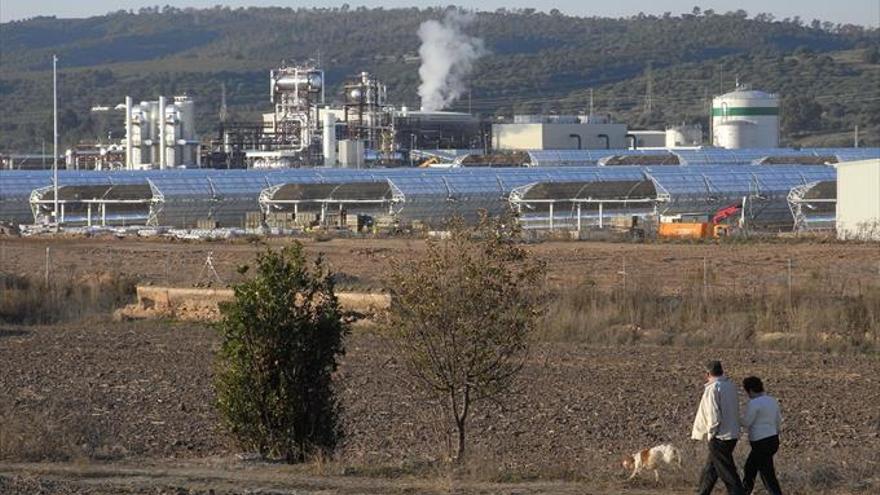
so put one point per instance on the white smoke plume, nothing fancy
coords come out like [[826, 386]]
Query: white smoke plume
[[448, 55]]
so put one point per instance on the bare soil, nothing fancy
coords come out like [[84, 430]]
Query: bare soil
[[131, 403], [97, 407]]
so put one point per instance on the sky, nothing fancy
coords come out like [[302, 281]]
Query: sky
[[864, 12]]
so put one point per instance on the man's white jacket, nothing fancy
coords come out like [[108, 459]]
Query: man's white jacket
[[718, 414]]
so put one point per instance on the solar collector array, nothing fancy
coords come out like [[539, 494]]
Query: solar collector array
[[425, 195]]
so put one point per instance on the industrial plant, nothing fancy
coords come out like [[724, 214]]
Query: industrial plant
[[353, 160]]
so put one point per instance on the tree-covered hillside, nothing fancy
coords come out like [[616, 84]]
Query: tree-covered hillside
[[829, 75]]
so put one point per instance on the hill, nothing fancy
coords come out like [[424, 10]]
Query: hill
[[828, 74]]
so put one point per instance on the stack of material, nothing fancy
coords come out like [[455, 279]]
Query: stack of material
[[253, 220], [283, 220], [206, 224]]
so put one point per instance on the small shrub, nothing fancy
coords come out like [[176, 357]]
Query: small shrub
[[281, 336]]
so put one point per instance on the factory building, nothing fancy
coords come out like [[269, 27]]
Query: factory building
[[858, 200], [357, 127], [160, 134], [436, 130], [745, 118], [564, 132]]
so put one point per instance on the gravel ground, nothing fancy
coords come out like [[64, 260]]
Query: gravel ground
[[123, 392]]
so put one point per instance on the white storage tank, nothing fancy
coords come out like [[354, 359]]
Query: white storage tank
[[684, 136], [351, 153], [745, 118]]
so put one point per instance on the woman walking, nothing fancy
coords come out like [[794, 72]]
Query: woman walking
[[763, 420]]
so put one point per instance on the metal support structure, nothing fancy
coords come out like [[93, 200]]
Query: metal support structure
[[798, 204]]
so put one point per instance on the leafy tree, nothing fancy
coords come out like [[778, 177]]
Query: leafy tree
[[800, 113], [281, 337], [462, 315]]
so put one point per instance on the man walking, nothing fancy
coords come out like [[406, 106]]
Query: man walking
[[717, 422]]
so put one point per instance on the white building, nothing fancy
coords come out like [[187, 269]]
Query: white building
[[533, 132], [858, 200]]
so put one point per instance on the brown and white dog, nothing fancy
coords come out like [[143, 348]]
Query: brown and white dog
[[651, 459]]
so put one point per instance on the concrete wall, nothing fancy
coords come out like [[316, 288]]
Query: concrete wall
[[858, 200], [558, 136], [517, 137], [551, 136], [649, 139]]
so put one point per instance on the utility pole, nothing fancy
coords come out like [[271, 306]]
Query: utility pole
[[55, 132], [223, 110], [591, 105], [649, 90]]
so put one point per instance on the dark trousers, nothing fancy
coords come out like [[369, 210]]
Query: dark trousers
[[719, 464], [761, 461]]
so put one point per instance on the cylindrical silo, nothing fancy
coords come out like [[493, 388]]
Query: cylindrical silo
[[684, 136], [745, 118], [329, 148]]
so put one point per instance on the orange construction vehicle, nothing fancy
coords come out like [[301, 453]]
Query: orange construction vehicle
[[680, 229]]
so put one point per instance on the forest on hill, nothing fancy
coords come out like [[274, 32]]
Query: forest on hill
[[827, 74]]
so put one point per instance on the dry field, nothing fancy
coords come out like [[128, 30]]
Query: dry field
[[362, 262], [93, 406]]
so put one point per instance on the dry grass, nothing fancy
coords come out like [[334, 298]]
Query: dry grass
[[25, 300], [811, 316], [55, 435]]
